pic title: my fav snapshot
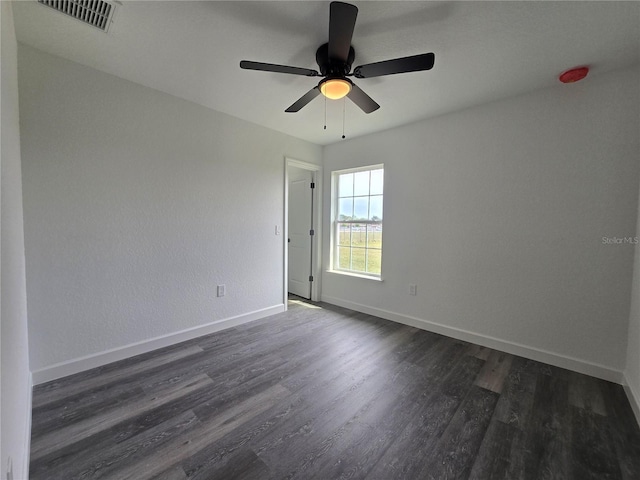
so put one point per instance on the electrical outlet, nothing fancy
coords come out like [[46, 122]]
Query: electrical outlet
[[413, 289], [222, 290]]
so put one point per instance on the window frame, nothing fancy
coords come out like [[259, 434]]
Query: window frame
[[336, 222]]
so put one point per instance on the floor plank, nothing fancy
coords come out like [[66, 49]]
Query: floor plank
[[592, 452], [494, 455], [85, 428], [454, 454], [494, 372], [323, 392], [548, 439]]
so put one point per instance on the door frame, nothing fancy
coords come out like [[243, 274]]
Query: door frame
[[316, 244]]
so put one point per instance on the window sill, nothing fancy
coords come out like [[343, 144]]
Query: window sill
[[356, 275]]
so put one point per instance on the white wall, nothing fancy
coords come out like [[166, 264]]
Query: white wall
[[15, 390], [632, 372], [136, 205], [497, 213]]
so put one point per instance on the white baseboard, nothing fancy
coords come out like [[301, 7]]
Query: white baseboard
[[88, 362], [27, 448], [634, 398], [558, 360]]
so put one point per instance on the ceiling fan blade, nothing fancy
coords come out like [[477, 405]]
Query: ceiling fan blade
[[361, 99], [342, 21], [302, 101], [271, 67], [414, 63]]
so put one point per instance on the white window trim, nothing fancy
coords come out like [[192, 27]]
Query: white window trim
[[334, 209]]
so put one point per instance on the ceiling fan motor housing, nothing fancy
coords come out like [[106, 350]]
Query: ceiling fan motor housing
[[331, 67]]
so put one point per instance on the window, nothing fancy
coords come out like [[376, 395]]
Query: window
[[357, 226]]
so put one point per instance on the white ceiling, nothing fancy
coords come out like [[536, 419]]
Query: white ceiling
[[484, 51]]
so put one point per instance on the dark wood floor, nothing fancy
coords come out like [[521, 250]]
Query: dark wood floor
[[327, 393]]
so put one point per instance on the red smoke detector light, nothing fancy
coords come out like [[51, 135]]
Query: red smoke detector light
[[573, 75]]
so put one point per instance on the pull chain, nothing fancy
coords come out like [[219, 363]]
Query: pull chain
[[344, 108], [325, 113]]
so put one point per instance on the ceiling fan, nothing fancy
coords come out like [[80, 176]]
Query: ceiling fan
[[335, 59]]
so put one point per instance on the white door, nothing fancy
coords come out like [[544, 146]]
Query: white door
[[300, 224]]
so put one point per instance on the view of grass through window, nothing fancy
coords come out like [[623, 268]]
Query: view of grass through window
[[358, 234]]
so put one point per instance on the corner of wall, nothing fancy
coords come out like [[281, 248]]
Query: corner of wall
[[16, 377], [29, 419], [633, 397], [632, 370]]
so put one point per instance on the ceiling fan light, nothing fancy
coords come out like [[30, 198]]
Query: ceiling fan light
[[335, 88]]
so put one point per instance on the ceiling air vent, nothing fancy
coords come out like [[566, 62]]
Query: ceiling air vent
[[96, 13]]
